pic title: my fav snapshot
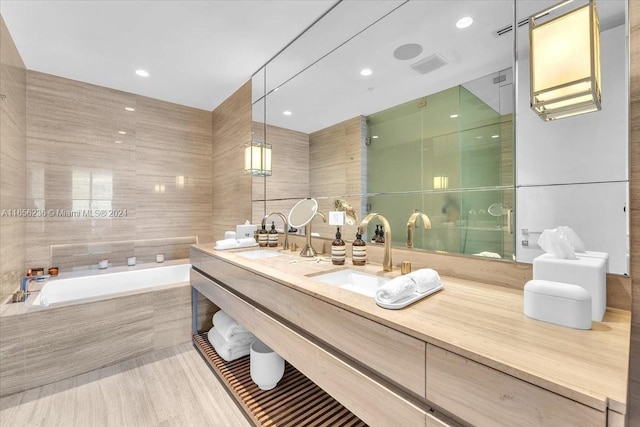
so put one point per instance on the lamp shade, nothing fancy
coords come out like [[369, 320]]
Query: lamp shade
[[257, 158], [565, 62]]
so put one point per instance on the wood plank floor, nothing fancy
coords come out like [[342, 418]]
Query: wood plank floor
[[171, 387]]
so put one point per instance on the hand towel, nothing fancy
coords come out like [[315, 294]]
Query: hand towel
[[227, 327], [225, 350], [396, 289], [226, 244], [425, 279]]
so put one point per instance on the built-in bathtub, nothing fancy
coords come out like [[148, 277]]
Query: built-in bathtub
[[104, 285], [95, 318]]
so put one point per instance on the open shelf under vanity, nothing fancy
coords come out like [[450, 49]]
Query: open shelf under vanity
[[295, 401]]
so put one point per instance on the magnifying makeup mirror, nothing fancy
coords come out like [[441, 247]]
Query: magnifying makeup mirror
[[301, 215]]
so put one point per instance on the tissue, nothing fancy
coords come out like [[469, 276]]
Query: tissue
[[561, 242]]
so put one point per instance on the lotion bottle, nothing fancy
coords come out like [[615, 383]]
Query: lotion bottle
[[359, 251], [273, 236], [263, 237], [338, 249]]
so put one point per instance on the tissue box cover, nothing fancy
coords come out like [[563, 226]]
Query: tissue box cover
[[559, 303], [588, 272]]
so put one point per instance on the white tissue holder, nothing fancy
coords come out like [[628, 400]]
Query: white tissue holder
[[558, 303], [590, 273]]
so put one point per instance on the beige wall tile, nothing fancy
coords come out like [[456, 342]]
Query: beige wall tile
[[13, 128]]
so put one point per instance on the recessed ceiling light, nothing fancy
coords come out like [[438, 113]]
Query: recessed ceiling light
[[464, 22], [118, 142], [121, 132], [142, 73], [129, 108], [366, 72], [407, 51], [287, 113], [375, 137], [453, 116], [479, 137], [495, 136]]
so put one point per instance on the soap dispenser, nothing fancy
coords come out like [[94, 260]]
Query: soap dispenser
[[263, 237], [359, 251], [273, 236], [338, 249]]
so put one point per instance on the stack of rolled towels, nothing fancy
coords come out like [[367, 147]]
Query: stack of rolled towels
[[230, 339], [404, 286]]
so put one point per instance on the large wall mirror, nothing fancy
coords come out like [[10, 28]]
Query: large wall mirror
[[442, 126]]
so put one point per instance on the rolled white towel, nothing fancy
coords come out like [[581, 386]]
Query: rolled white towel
[[227, 326], [226, 350], [425, 278], [396, 289], [226, 244], [247, 242]]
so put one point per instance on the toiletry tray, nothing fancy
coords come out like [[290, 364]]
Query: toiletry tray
[[416, 296]]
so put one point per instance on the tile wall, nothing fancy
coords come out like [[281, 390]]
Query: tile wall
[[13, 128], [99, 173]]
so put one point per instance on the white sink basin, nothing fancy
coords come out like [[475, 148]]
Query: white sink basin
[[259, 254], [353, 280]]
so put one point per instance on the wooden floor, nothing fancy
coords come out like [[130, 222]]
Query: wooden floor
[[172, 387]]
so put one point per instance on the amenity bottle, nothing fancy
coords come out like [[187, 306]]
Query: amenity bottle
[[338, 250], [359, 251], [273, 236], [263, 237]]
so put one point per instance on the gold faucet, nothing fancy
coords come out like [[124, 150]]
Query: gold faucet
[[411, 225], [285, 245], [308, 250], [386, 261]]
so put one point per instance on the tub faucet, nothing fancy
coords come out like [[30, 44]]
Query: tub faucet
[[24, 284], [387, 264], [411, 225], [285, 245]]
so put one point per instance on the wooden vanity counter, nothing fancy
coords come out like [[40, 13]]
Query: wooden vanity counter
[[483, 323]]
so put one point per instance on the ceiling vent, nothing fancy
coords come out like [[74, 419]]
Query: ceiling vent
[[430, 63], [504, 30]]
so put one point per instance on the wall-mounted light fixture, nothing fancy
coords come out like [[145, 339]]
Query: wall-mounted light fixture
[[565, 62], [440, 182], [257, 158]]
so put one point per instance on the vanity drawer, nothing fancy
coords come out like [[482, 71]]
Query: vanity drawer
[[372, 402], [391, 353], [225, 300], [483, 396]]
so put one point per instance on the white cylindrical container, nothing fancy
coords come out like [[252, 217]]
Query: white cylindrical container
[[131, 261], [267, 366], [103, 264], [160, 258]]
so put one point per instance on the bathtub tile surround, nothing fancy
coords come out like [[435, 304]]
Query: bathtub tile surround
[[85, 255], [13, 128], [154, 177], [40, 346]]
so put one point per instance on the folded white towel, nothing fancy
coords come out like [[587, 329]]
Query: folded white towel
[[425, 278], [226, 350], [226, 244], [228, 328], [396, 289]]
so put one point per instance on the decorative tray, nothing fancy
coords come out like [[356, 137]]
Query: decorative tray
[[401, 303]]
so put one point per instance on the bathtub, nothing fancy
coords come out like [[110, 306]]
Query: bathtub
[[109, 283], [96, 318]]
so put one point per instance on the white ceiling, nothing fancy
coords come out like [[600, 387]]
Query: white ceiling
[[200, 52], [197, 52]]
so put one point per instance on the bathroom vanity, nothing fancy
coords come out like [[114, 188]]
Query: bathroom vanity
[[466, 354]]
